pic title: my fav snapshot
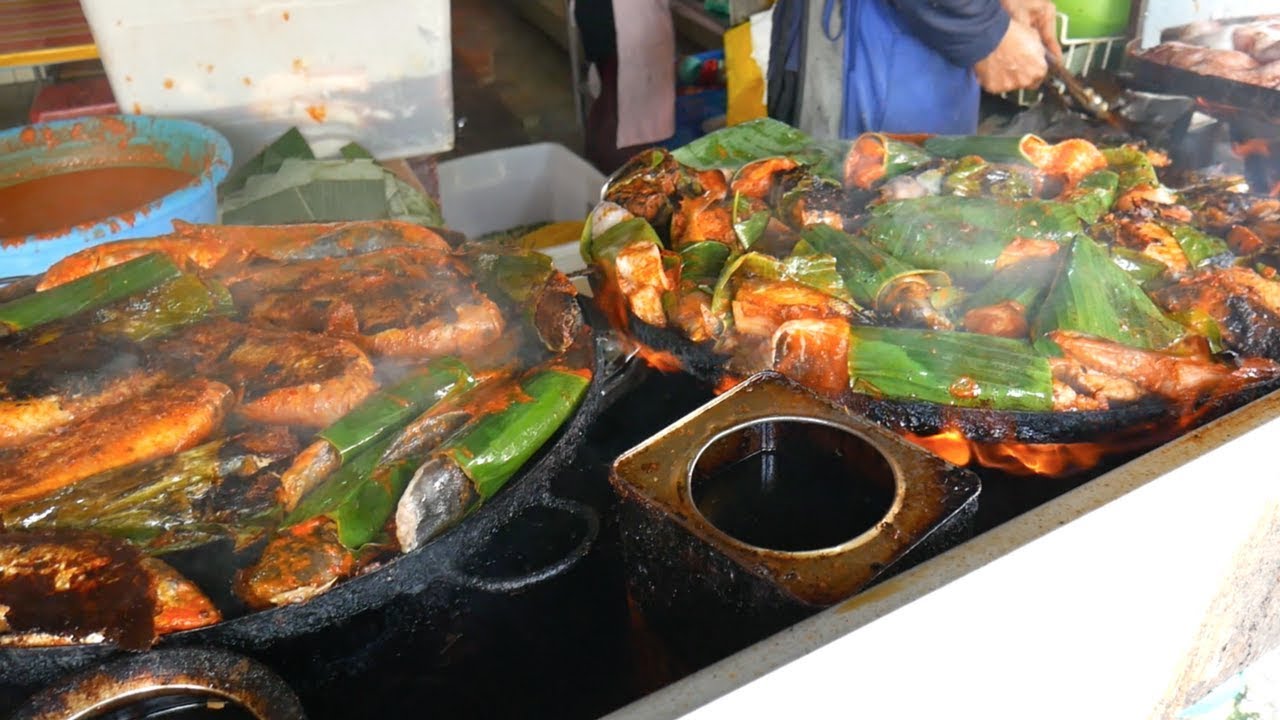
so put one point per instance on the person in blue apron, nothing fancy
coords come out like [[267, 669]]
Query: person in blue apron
[[915, 66]]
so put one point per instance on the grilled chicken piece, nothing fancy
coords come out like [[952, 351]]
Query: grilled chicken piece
[[642, 280], [228, 250], [44, 386], [298, 564], [703, 218], [1177, 378], [168, 419], [401, 302], [814, 353], [1245, 306], [281, 377], [760, 307], [757, 179], [62, 588], [1076, 387]]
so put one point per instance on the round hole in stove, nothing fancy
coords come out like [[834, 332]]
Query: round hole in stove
[[171, 704], [792, 484]]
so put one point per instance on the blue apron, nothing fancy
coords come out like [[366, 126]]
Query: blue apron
[[893, 81]]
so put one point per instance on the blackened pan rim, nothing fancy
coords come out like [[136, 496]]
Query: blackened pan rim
[[899, 488]]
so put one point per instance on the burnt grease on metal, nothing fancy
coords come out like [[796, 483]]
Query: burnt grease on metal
[[698, 577], [75, 586]]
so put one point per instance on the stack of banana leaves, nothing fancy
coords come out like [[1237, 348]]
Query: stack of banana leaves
[[317, 397], [993, 272]]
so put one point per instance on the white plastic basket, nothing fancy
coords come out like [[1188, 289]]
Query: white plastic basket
[[502, 189]]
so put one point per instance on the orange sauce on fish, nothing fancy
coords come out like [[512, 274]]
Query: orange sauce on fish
[[51, 202]]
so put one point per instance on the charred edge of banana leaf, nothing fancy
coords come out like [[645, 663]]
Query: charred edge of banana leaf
[[528, 286], [221, 489]]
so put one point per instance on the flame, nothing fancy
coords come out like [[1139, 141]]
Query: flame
[[1256, 146], [1275, 189], [727, 383], [659, 360], [1044, 459]]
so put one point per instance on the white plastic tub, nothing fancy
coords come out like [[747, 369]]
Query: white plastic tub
[[502, 189], [374, 71]]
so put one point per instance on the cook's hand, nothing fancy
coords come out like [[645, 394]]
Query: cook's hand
[[1017, 62], [1042, 16]]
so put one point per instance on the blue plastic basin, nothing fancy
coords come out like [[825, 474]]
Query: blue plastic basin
[[114, 140]]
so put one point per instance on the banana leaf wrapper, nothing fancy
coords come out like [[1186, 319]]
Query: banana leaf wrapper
[[818, 271], [1025, 283], [1090, 294], [220, 489], [949, 368], [993, 148], [1132, 167], [750, 219], [1145, 270], [867, 270], [732, 147], [702, 262], [1199, 247], [493, 447], [392, 407], [974, 177], [184, 300], [87, 293], [876, 157], [529, 287]]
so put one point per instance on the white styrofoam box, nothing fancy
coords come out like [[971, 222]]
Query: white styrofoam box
[[502, 189], [378, 72]]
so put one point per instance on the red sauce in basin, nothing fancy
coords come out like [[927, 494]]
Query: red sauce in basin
[[52, 202]]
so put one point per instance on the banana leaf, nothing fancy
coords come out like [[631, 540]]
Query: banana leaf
[[817, 271], [733, 147], [750, 219], [951, 368], [962, 237], [1093, 196], [392, 407], [606, 247], [210, 491], [993, 148], [867, 271], [1090, 294], [87, 293], [1144, 269], [181, 301], [491, 448], [702, 262], [1025, 283], [974, 177], [875, 157], [1132, 167], [1198, 246]]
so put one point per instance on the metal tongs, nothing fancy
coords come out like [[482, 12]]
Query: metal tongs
[[1089, 99]]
